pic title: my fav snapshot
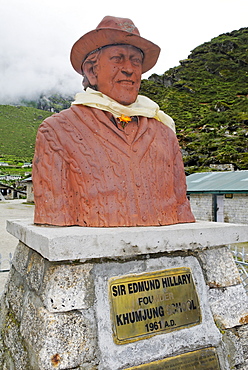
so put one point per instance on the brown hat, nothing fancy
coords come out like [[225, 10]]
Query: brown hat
[[113, 31]]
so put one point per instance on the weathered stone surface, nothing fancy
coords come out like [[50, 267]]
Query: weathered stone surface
[[8, 364], [15, 345], [67, 287], [29, 264], [90, 356], [219, 267], [242, 333], [35, 270], [21, 257], [234, 348], [15, 293], [58, 339], [229, 306], [3, 312], [1, 350], [243, 366]]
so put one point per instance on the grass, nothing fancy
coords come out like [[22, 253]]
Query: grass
[[18, 129]]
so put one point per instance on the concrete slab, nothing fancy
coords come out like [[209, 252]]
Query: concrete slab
[[71, 243]]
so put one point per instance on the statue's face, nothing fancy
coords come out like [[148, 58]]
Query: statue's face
[[118, 73]]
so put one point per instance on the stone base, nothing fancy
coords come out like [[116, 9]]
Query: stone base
[[56, 308]]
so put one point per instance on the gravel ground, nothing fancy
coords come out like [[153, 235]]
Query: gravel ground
[[10, 210]]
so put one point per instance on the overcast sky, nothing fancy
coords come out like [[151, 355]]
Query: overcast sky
[[36, 36]]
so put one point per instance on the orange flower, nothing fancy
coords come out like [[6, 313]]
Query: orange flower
[[125, 119]]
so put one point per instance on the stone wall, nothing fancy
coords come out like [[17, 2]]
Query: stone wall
[[202, 206], [56, 314], [30, 192], [235, 209], [47, 314]]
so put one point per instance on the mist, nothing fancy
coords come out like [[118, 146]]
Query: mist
[[34, 54], [26, 79], [36, 37]]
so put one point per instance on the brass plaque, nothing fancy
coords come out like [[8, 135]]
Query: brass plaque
[[204, 359], [146, 304]]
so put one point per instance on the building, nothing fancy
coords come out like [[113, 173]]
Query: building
[[219, 196], [8, 192], [29, 189]]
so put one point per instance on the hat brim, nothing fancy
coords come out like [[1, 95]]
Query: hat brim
[[108, 36]]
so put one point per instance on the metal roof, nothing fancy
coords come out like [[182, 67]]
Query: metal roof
[[218, 182]]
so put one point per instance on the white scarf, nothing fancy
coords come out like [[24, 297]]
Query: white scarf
[[143, 106]]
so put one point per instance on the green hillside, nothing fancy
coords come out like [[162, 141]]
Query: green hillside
[[18, 128], [206, 96]]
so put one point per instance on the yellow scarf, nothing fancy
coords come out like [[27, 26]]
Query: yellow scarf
[[143, 106]]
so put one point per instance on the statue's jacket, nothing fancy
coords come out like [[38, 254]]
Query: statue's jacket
[[86, 172]]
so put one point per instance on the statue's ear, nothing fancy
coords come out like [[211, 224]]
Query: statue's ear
[[89, 70]]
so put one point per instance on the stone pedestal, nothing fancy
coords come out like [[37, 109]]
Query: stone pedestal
[[58, 310]]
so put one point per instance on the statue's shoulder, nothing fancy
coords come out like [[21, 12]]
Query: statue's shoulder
[[71, 114]]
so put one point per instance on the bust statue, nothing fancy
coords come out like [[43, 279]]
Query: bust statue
[[111, 159]]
